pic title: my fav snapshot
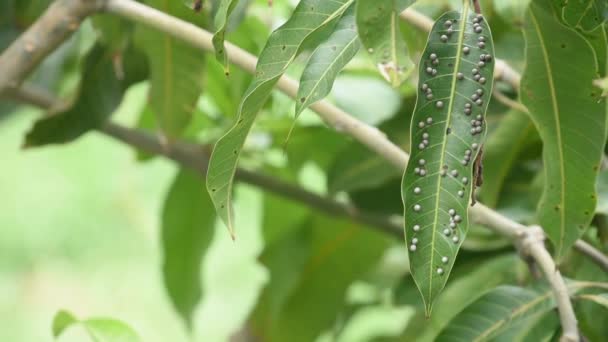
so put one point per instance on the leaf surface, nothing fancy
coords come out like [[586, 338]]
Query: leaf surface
[[570, 119], [224, 9], [282, 47], [176, 71], [447, 129], [378, 26], [187, 230]]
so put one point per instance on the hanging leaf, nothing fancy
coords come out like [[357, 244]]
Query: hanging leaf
[[101, 91], [378, 26], [447, 130], [224, 9], [187, 230], [502, 309], [327, 61], [98, 329], [282, 47], [176, 68], [570, 119]]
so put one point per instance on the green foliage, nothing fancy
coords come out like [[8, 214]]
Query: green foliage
[[176, 72], [447, 130], [224, 9], [570, 119], [102, 90], [378, 26], [309, 17], [98, 329], [187, 231]]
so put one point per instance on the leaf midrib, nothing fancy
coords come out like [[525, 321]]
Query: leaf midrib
[[465, 14], [558, 132]]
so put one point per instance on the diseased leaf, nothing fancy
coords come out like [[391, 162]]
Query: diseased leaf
[[500, 153], [187, 230], [98, 329], [456, 73], [502, 309], [282, 47], [224, 9], [101, 91], [378, 26], [601, 299], [327, 61], [176, 71], [571, 122]]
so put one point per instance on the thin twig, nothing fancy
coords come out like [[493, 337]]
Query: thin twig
[[477, 7]]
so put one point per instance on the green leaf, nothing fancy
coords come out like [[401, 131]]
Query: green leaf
[[308, 295], [176, 71], [445, 138], [224, 9], [585, 15], [101, 91], [571, 123], [327, 61], [502, 309], [513, 10], [282, 47], [378, 26], [601, 299], [98, 329], [187, 230], [501, 152]]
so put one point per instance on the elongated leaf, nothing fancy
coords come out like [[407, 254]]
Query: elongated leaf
[[224, 9], [327, 61], [378, 26], [176, 79], [98, 329], [502, 309], [447, 128], [571, 123], [586, 15], [282, 47], [187, 231], [501, 151], [601, 299], [101, 91]]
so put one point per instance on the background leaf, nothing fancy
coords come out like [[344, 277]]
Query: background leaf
[[224, 8], [100, 94], [187, 231], [176, 71], [447, 128], [282, 47], [378, 26], [571, 123], [98, 329]]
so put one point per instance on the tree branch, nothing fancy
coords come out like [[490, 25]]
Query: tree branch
[[57, 23]]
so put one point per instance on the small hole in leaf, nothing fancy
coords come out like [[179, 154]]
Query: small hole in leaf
[[213, 190], [563, 46], [283, 47], [448, 131], [235, 152], [302, 99]]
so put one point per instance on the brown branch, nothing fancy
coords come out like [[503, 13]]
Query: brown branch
[[57, 23]]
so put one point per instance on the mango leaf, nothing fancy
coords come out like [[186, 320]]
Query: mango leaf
[[225, 7], [176, 71], [282, 47], [327, 61], [101, 91], [456, 73], [187, 230], [601, 299], [98, 329], [302, 304], [503, 147], [585, 15], [502, 309], [513, 10], [571, 123], [542, 329], [378, 26]]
